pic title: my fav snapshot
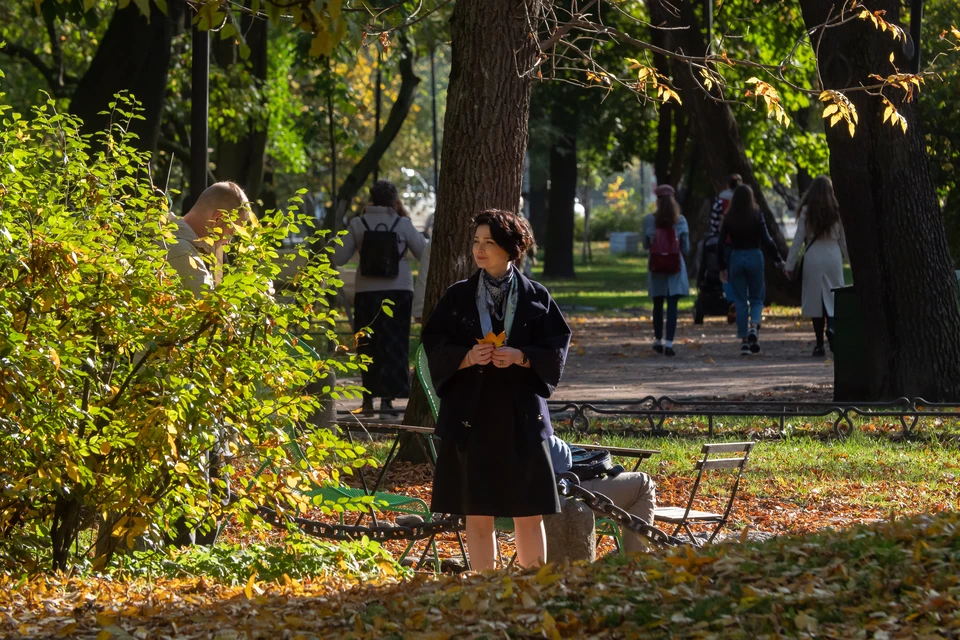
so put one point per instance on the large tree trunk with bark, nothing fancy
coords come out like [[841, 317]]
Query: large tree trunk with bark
[[242, 160], [133, 56], [714, 125], [898, 248], [484, 141], [558, 253]]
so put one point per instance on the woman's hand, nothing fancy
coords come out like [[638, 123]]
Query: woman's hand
[[723, 276], [480, 354], [507, 357]]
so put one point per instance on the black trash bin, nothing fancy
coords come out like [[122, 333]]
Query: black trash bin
[[850, 381]]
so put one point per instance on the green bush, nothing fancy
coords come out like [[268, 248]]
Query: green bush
[[298, 558], [115, 382]]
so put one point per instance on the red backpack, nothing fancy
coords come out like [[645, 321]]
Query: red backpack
[[665, 252]]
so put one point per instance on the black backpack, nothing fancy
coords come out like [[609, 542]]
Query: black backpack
[[593, 464], [379, 254]]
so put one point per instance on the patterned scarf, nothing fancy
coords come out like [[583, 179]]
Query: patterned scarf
[[497, 291]]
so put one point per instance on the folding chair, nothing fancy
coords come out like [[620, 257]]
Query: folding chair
[[684, 517]]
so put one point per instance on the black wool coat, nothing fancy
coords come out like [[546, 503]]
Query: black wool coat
[[539, 331]]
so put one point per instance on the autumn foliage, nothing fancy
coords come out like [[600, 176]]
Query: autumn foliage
[[115, 382]]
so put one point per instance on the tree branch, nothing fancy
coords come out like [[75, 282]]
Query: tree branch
[[57, 89]]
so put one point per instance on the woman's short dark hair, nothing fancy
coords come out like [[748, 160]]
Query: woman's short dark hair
[[510, 231], [384, 193]]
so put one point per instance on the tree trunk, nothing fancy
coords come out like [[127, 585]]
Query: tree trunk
[[133, 56], [66, 526], [558, 254], [485, 138], [539, 180], [898, 247], [242, 160], [715, 127]]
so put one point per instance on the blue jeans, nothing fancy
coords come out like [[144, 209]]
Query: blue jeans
[[672, 302], [746, 277]]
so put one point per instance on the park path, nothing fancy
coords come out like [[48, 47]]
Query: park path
[[611, 359]]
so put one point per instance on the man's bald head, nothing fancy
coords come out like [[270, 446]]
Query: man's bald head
[[215, 203]]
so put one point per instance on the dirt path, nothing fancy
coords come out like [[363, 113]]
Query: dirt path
[[611, 359]]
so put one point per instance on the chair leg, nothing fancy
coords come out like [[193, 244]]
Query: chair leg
[[463, 551], [716, 531], [426, 550], [693, 538]]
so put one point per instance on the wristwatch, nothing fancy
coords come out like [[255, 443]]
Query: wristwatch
[[523, 360]]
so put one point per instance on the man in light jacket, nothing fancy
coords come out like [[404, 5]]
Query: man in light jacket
[[192, 241]]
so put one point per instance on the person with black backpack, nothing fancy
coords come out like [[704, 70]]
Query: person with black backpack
[[384, 236], [667, 237]]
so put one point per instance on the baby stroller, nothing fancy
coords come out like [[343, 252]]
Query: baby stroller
[[710, 298]]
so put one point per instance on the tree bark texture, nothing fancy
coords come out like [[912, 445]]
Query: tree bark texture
[[558, 253], [485, 138], [895, 233], [133, 56], [242, 160], [714, 126]]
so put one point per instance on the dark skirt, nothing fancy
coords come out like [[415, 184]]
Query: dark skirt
[[388, 376], [495, 470]]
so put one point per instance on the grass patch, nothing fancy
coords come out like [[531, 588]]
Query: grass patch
[[608, 283]]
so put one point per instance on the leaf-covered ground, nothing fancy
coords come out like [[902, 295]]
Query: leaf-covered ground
[[886, 580]]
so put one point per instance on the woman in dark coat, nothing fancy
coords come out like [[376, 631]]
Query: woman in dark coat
[[493, 423]]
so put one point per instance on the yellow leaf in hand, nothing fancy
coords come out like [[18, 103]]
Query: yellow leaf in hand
[[496, 340]]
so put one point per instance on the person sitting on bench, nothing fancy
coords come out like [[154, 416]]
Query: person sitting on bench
[[634, 492]]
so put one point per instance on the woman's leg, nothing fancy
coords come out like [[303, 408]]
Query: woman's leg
[[658, 318], [736, 274], [531, 541], [818, 324], [482, 543], [672, 304], [757, 287]]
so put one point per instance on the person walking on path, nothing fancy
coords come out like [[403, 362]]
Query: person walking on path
[[749, 237], [719, 209], [816, 256], [667, 237], [384, 235], [496, 345]]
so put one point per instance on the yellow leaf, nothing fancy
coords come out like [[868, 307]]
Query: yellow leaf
[[835, 119], [830, 110], [248, 589], [105, 448], [496, 340], [104, 635], [851, 128], [528, 601], [550, 626], [903, 124], [181, 468], [55, 358], [887, 113]]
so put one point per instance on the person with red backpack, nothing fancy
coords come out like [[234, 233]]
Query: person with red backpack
[[667, 237]]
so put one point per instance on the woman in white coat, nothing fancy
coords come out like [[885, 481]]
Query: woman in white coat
[[820, 231]]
